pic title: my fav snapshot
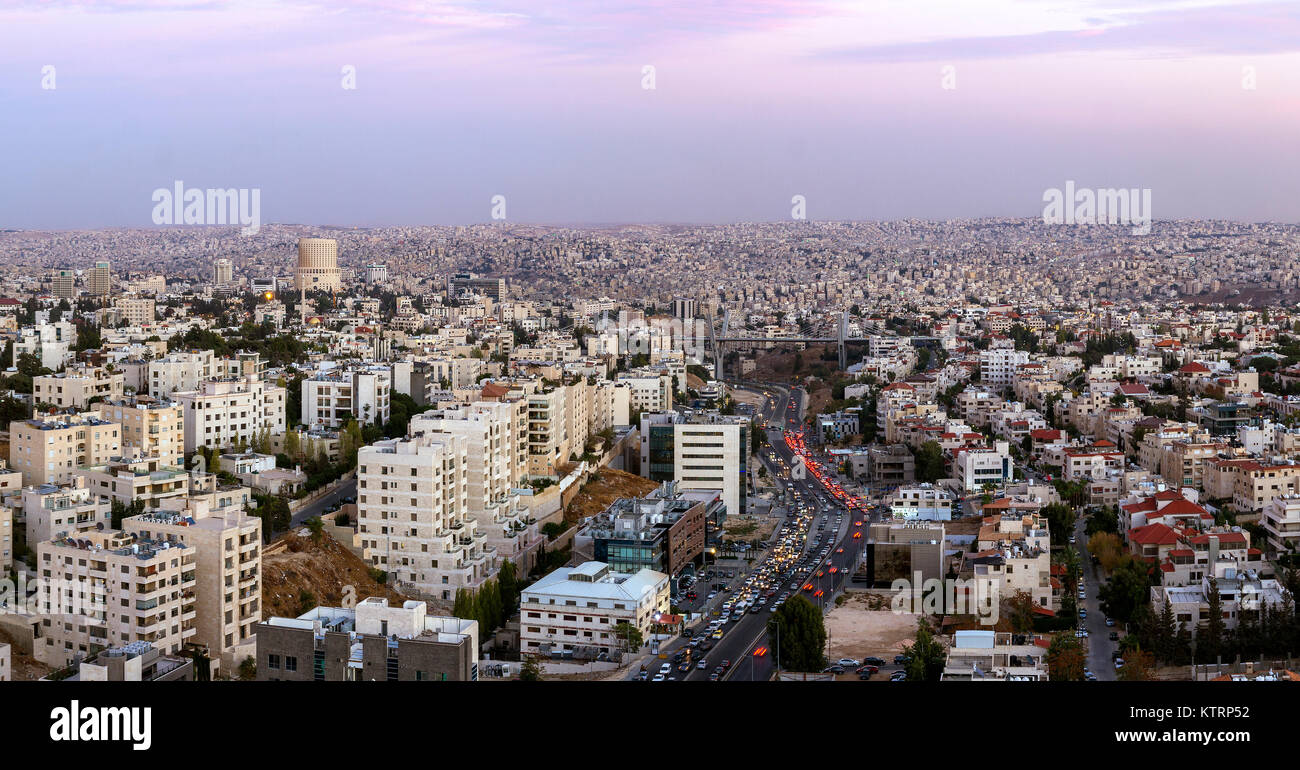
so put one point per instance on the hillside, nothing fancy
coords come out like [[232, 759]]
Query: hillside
[[604, 488], [321, 568]]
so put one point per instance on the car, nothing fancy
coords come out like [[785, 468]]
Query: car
[[901, 660], [898, 676], [658, 678], [1091, 677], [839, 550], [873, 660], [685, 666], [857, 535], [867, 669], [643, 676], [703, 665], [1083, 614], [715, 676], [1114, 636], [833, 670], [726, 664], [1110, 622], [760, 652], [864, 675], [1115, 654], [1119, 663], [665, 668]]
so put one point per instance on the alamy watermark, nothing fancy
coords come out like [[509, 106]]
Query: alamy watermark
[[196, 206], [1084, 206], [977, 596], [52, 596]]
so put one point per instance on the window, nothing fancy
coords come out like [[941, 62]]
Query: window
[[290, 663], [272, 661]]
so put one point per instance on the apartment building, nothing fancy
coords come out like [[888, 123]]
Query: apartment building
[[699, 451], [992, 656], [413, 514], [924, 502], [573, 611], [181, 371], [548, 440], [998, 366], [135, 311], [493, 472], [227, 546], [372, 642], [47, 450], [329, 398], [7, 539], [651, 390], [132, 478], [51, 343], [148, 588], [227, 413], [1014, 549], [1243, 595], [151, 426], [53, 510], [1281, 522], [976, 466], [74, 388], [1093, 462]]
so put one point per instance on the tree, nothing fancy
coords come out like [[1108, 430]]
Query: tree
[[630, 635], [1211, 635], [1107, 548], [801, 630], [1139, 666], [317, 529], [1065, 658], [929, 462], [925, 656], [464, 605], [1021, 611], [248, 668], [531, 670], [1060, 518], [1126, 590], [509, 582]]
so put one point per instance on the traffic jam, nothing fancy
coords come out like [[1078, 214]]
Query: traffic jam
[[794, 440]]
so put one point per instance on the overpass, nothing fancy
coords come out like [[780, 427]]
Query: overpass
[[718, 341]]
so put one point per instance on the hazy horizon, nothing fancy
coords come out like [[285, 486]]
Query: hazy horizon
[[846, 104]]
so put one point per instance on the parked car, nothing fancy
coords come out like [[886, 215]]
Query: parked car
[[900, 660], [873, 660], [847, 662]]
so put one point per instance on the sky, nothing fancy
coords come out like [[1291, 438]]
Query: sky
[[871, 110]]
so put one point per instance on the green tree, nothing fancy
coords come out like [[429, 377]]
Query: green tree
[[929, 462], [248, 669], [630, 635], [1126, 590], [801, 630], [531, 670], [925, 655], [1211, 635], [317, 528], [1060, 518]]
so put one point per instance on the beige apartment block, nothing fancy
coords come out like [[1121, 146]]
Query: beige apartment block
[[227, 413], [7, 539], [228, 547], [136, 311], [181, 371], [74, 388], [413, 515], [152, 426], [148, 588], [54, 510], [129, 479], [575, 609], [47, 450]]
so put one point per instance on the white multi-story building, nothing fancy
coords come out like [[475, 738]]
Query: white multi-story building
[[148, 588], [491, 444], [51, 343], [576, 609], [925, 502], [181, 371], [708, 451], [225, 413], [329, 397], [975, 467], [75, 387], [54, 510], [413, 515], [998, 366]]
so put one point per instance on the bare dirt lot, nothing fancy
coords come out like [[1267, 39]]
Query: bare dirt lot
[[865, 625]]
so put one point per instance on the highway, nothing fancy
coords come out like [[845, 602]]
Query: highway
[[828, 574]]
